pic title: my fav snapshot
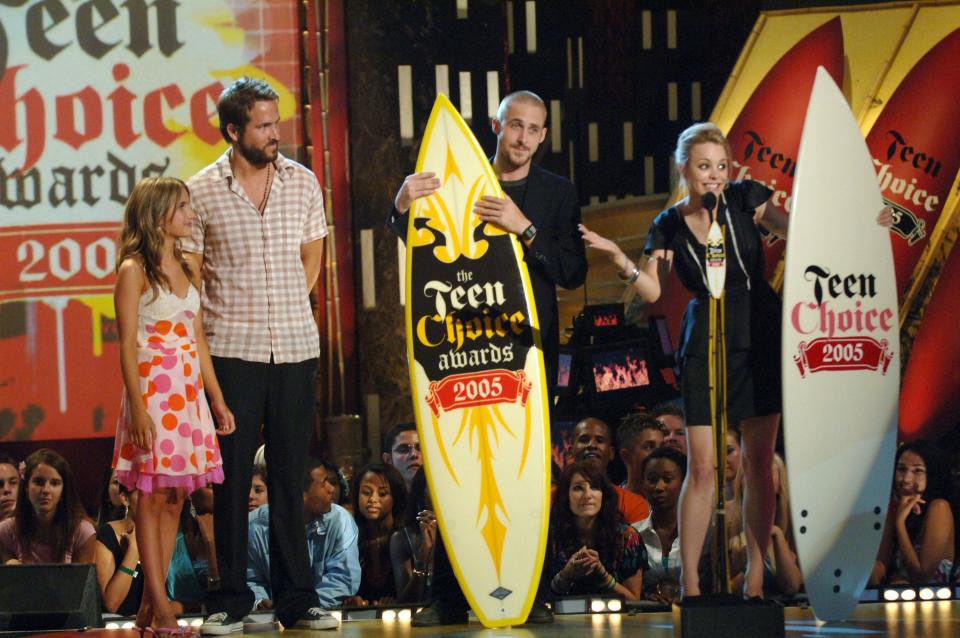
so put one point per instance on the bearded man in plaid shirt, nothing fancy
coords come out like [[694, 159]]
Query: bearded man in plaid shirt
[[257, 247]]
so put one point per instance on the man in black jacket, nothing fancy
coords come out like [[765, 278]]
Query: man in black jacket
[[541, 208]]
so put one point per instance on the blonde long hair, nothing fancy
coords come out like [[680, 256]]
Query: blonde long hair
[[142, 235]]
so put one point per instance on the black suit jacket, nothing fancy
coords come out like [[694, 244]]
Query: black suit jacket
[[555, 257]]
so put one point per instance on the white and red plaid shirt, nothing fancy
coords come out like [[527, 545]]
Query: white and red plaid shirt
[[255, 300]]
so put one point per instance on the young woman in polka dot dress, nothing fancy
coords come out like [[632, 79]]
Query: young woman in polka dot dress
[[166, 444]]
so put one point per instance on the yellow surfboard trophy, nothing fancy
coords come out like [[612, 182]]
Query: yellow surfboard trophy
[[477, 379]]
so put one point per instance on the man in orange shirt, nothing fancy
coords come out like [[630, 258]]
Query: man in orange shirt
[[593, 443]]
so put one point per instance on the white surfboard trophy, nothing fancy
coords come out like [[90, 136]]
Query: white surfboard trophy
[[840, 357]]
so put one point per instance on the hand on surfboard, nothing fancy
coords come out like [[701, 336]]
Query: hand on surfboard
[[415, 186], [885, 218], [501, 212]]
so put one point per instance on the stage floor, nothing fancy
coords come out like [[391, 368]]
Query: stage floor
[[940, 619]]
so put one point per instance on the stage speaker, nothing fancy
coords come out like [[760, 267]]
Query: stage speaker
[[48, 597]]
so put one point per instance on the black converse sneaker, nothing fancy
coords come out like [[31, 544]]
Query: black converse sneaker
[[221, 624], [316, 618]]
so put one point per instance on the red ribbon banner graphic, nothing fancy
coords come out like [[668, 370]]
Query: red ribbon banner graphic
[[843, 353], [486, 387]]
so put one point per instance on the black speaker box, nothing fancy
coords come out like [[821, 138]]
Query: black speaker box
[[48, 597]]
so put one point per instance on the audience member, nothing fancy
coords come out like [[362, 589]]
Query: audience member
[[110, 506], [117, 557], [193, 567], [593, 444], [781, 572], [670, 414], [331, 542], [663, 473], [379, 500], [9, 482], [401, 449], [732, 465], [412, 548], [918, 539], [258, 488], [639, 434], [50, 524], [591, 549]]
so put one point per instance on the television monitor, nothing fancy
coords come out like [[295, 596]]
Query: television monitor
[[617, 367]]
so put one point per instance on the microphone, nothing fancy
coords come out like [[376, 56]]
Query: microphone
[[709, 201]]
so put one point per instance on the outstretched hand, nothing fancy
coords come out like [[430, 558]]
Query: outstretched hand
[[593, 239]]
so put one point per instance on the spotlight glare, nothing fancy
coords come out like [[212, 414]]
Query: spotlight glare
[[112, 625], [181, 623], [891, 595], [196, 622], [614, 604], [926, 594], [336, 613], [404, 615], [389, 615], [597, 605], [944, 593], [127, 625], [908, 594]]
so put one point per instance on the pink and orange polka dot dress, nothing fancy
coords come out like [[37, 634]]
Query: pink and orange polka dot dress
[[186, 453]]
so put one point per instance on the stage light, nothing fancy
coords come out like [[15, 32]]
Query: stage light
[[597, 605], [908, 594], [926, 593], [614, 605], [891, 595], [182, 623], [388, 615], [196, 622], [944, 593], [336, 613], [127, 625], [112, 625], [405, 615]]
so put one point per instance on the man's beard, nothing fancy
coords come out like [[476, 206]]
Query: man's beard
[[257, 156]]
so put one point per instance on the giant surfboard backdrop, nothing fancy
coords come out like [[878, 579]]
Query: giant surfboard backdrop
[[841, 357], [477, 378]]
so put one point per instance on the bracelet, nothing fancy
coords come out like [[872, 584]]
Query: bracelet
[[610, 583], [132, 573], [632, 278]]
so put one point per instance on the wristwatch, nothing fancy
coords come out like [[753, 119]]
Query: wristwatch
[[529, 233]]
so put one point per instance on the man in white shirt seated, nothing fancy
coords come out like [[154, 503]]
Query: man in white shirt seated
[[331, 542]]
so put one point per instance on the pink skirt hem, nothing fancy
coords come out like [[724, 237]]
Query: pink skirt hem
[[147, 483]]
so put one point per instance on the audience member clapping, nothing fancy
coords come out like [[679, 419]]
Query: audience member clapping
[[918, 538], [781, 572], [9, 484], [117, 557], [412, 548], [591, 549], [258, 488], [379, 500], [663, 473], [50, 525]]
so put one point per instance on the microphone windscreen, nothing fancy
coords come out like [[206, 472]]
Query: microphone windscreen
[[709, 201]]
